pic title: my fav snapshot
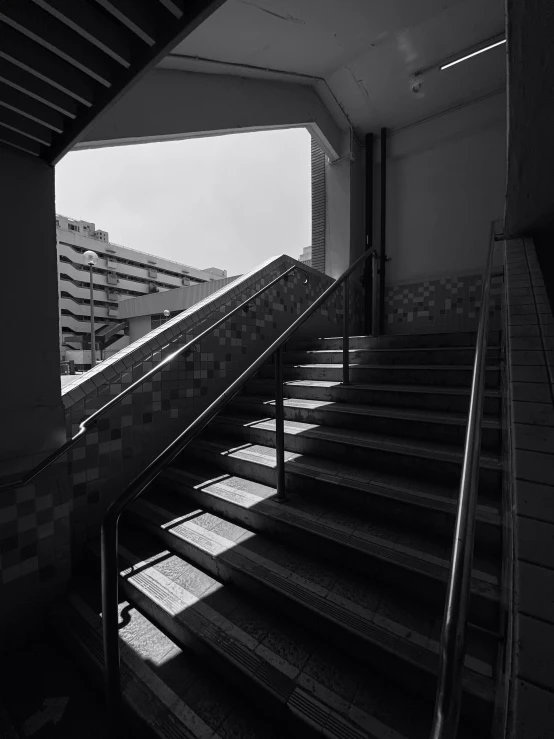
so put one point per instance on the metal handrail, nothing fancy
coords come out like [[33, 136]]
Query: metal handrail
[[109, 532], [453, 637], [91, 421]]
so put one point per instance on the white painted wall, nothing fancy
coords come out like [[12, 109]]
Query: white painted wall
[[170, 104], [446, 183]]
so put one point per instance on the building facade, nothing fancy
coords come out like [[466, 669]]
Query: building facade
[[120, 273], [306, 256]]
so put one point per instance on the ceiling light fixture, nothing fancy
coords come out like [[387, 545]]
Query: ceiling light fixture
[[468, 56]]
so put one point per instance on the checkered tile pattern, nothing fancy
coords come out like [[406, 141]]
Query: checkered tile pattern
[[135, 431], [447, 304], [35, 533]]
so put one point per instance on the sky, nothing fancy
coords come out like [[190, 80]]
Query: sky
[[227, 201]]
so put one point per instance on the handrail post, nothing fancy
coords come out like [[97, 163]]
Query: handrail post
[[279, 426], [345, 335], [110, 621]]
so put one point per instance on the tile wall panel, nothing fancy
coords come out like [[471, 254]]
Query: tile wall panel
[[529, 402], [450, 303], [134, 432]]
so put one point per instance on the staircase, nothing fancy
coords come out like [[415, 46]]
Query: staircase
[[321, 615]]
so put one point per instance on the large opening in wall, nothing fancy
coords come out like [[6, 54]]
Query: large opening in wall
[[166, 215]]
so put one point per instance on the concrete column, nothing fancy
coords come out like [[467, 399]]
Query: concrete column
[[34, 520], [345, 211], [345, 225]]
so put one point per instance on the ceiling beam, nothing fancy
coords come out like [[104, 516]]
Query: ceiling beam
[[135, 16], [37, 89], [20, 103], [170, 35], [91, 25], [25, 126], [19, 50], [45, 30], [175, 7], [17, 141]]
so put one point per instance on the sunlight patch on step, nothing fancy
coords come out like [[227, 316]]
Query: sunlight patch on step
[[291, 427], [248, 451], [182, 519], [313, 383], [302, 403], [213, 481]]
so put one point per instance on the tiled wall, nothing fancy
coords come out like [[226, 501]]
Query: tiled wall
[[134, 432], [445, 304], [530, 404]]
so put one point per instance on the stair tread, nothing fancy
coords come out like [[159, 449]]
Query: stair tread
[[371, 612], [162, 684], [492, 393], [296, 350], [387, 541], [362, 409], [429, 494], [303, 672], [369, 440], [436, 367]]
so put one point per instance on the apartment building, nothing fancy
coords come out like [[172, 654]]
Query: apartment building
[[120, 273], [306, 256]]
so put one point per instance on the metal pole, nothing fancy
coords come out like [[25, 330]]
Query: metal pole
[[375, 295], [345, 336], [383, 229], [368, 283], [110, 621], [279, 426], [92, 336]]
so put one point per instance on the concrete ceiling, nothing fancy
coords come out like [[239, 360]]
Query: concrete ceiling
[[364, 53]]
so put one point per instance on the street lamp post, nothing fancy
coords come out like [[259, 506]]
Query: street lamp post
[[91, 258]]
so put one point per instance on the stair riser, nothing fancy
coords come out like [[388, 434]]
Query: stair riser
[[389, 398], [397, 375], [419, 585], [411, 675], [441, 432], [436, 523], [440, 357], [426, 468], [400, 340], [187, 637]]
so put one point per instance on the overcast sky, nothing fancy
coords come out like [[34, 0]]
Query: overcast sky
[[227, 201]]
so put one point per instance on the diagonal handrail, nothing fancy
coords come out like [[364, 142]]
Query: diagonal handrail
[[453, 637], [91, 421], [109, 535]]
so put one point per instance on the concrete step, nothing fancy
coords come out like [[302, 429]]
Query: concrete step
[[420, 459], [428, 398], [450, 376], [282, 668], [443, 356], [449, 428], [427, 507], [465, 339], [166, 688], [417, 564], [372, 623]]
